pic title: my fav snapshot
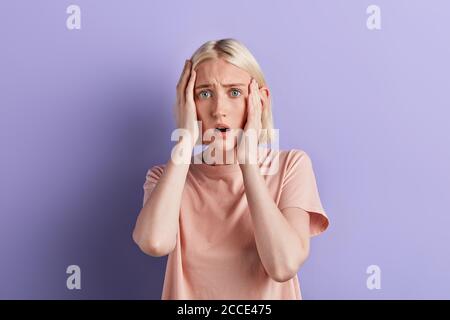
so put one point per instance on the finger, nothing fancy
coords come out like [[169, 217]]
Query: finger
[[256, 92], [257, 104], [255, 98], [181, 85], [190, 86], [250, 100], [185, 68], [250, 112]]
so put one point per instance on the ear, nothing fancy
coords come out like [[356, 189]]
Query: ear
[[264, 93]]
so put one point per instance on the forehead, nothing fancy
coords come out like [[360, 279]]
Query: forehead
[[220, 71]]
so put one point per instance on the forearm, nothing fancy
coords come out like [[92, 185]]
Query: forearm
[[278, 245], [157, 224]]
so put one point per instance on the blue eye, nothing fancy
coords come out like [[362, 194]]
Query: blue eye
[[207, 94], [237, 91], [202, 92]]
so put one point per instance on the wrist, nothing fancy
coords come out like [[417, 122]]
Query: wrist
[[182, 152], [249, 167]]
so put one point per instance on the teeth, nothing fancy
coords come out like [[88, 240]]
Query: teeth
[[222, 129]]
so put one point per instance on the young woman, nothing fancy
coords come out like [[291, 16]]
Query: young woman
[[231, 229]]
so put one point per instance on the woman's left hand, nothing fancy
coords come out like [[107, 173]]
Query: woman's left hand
[[247, 146]]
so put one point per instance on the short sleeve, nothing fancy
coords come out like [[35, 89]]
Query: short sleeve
[[299, 189], [151, 179]]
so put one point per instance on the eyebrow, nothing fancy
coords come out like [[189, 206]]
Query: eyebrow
[[207, 85]]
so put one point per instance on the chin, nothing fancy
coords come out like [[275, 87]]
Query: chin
[[221, 144]]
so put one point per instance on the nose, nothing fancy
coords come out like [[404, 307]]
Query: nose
[[219, 107]]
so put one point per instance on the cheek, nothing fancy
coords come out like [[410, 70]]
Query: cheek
[[202, 114], [240, 105], [200, 107], [240, 111]]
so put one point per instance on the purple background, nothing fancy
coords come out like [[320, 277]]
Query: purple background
[[85, 113]]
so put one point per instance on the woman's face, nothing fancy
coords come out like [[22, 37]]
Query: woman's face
[[220, 94]]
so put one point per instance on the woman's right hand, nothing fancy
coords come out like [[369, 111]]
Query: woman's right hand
[[185, 104]]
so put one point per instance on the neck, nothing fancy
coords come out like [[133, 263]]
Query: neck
[[228, 157]]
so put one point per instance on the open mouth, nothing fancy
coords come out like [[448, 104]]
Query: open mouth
[[223, 129]]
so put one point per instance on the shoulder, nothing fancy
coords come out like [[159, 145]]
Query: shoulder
[[294, 153], [292, 157], [282, 162]]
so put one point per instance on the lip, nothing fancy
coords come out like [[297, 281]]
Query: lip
[[223, 135], [222, 125]]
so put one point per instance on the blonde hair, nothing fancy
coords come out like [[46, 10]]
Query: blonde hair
[[236, 53]]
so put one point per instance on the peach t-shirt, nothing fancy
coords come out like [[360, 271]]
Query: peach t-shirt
[[215, 256]]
